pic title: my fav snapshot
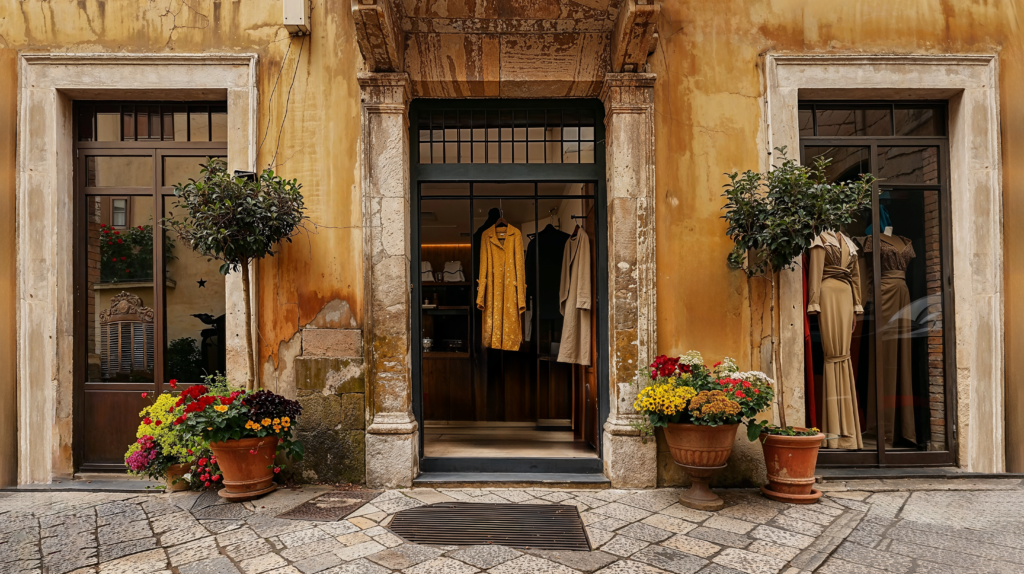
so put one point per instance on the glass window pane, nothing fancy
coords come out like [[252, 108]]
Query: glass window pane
[[444, 189], [108, 127], [180, 169], [119, 171], [199, 124], [119, 293], [839, 122], [906, 164], [85, 126], [119, 212], [519, 152], [219, 123], [565, 188], [806, 121], [586, 152], [195, 309], [536, 151], [911, 349], [920, 121], [502, 189], [846, 163]]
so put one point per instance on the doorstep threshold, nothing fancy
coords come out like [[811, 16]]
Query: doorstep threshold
[[875, 473], [93, 482], [511, 480]]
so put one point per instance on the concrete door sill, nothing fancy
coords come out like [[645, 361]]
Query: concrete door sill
[[511, 480]]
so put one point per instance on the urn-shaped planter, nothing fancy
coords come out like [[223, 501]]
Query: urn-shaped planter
[[176, 477], [701, 451], [790, 461], [247, 466]]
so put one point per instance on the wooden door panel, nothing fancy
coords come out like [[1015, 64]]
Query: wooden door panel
[[112, 422], [462, 397]]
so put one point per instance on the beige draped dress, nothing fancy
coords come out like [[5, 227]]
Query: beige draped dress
[[833, 292]]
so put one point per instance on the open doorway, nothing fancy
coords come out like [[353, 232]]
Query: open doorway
[[508, 317]]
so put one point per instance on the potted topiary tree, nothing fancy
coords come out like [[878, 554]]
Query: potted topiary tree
[[238, 220], [773, 218]]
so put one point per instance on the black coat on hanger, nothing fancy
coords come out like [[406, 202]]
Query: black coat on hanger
[[544, 290]]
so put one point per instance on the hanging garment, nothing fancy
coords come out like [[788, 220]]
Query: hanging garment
[[426, 271], [501, 288], [834, 293], [574, 300], [549, 247], [894, 344], [453, 272]]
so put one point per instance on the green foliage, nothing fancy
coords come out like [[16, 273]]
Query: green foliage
[[184, 359], [236, 220], [786, 431], [127, 254], [773, 217]]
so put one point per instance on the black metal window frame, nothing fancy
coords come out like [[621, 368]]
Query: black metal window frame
[[901, 458], [536, 173]]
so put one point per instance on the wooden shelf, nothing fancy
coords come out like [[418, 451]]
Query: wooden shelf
[[445, 283], [445, 355]]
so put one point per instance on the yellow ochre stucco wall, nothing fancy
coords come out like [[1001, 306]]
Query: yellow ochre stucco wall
[[709, 120]]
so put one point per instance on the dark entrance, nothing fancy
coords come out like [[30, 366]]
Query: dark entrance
[[494, 389], [147, 309], [902, 398]]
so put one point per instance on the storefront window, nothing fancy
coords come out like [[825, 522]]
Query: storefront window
[[151, 309], [891, 403]]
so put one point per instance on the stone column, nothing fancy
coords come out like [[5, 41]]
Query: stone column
[[629, 133], [392, 440]]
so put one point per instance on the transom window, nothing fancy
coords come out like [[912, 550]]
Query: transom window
[[152, 121]]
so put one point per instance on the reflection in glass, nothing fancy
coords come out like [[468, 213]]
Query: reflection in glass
[[806, 122], [180, 169], [108, 127], [218, 123], [503, 188], [920, 121], [908, 164], [911, 356], [195, 310], [863, 121], [118, 171], [119, 295], [847, 163], [199, 124]]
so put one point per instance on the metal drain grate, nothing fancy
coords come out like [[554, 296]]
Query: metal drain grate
[[543, 526]]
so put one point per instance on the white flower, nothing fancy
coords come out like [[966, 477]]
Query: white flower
[[729, 365], [753, 377], [691, 358]]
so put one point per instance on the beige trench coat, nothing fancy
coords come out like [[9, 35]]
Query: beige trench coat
[[501, 288], [574, 301]]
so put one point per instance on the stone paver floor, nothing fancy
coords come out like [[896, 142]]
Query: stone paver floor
[[861, 527]]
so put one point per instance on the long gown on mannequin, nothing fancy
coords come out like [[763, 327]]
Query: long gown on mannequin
[[833, 283]]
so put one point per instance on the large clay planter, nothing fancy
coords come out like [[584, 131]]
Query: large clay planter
[[701, 451], [246, 475], [791, 461], [175, 480]]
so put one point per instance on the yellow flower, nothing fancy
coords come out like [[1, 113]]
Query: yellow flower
[[220, 408], [255, 426], [265, 422], [665, 399]]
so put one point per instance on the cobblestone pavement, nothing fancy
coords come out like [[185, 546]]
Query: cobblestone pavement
[[862, 527]]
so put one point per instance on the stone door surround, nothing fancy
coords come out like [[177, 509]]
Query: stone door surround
[[405, 55], [970, 84], [48, 84]]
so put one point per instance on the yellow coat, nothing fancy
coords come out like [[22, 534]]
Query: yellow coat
[[501, 288]]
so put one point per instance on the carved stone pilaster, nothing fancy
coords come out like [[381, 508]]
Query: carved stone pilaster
[[632, 297], [392, 437]]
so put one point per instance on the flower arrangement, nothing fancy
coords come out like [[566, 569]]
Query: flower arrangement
[[685, 390], [159, 444], [214, 418]]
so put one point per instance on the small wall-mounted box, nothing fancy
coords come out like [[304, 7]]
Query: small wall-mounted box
[[296, 16]]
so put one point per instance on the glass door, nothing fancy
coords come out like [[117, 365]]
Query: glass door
[[895, 408]]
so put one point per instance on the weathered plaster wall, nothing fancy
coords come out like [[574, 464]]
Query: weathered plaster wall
[[710, 120]]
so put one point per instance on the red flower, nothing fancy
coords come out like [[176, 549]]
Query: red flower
[[216, 477], [202, 461], [715, 366], [114, 259], [190, 451], [207, 484], [119, 241], [741, 395], [173, 383], [117, 233], [140, 228], [746, 385], [144, 395], [102, 225], [227, 400], [124, 259], [147, 421], [110, 243], [277, 469], [757, 391], [158, 423]]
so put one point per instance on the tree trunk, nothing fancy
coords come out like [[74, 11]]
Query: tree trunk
[[777, 357], [250, 378]]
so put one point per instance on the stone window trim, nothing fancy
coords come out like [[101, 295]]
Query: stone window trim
[[970, 85], [48, 84]]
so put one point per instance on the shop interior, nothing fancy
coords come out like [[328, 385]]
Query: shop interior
[[506, 297]]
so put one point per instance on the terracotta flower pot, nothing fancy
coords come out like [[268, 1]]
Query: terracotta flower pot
[[175, 474], [701, 451], [246, 475], [791, 461]]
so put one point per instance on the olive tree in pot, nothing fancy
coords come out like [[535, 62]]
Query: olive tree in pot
[[237, 220], [772, 218]]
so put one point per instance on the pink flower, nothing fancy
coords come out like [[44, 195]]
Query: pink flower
[[144, 395]]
